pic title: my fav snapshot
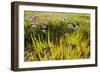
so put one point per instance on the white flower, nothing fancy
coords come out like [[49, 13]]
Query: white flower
[[70, 25], [33, 26], [43, 31], [73, 26], [44, 26]]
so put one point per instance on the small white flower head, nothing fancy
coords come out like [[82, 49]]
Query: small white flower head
[[33, 26], [44, 26], [43, 31], [73, 25], [70, 25]]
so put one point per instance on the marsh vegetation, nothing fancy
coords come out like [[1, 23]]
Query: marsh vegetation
[[56, 36]]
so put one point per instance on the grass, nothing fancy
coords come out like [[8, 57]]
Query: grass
[[53, 38]]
